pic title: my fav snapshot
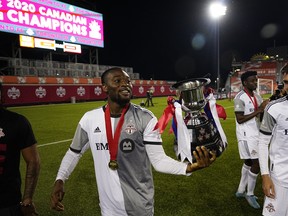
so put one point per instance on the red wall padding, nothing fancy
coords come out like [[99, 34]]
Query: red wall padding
[[23, 94]]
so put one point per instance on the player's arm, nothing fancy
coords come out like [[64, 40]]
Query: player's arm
[[163, 163], [266, 129], [32, 160], [239, 107], [78, 147]]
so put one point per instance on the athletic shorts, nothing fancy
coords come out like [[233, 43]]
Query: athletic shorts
[[277, 206], [248, 149]]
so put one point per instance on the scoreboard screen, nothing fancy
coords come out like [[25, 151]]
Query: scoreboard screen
[[52, 20]]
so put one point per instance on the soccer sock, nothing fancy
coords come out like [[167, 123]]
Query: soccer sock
[[244, 178], [252, 177]]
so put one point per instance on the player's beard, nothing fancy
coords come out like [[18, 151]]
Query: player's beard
[[117, 98]]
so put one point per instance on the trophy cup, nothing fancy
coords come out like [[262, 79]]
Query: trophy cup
[[202, 130]]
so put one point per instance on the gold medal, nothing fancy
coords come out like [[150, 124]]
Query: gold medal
[[113, 164]]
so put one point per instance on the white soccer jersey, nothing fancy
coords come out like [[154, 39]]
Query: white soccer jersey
[[248, 130], [129, 190], [275, 124]]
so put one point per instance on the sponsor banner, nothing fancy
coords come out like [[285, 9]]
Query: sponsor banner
[[23, 94]]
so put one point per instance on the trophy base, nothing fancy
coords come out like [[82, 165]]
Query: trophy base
[[203, 132]]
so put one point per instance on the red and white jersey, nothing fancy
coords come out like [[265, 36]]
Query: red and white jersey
[[248, 130], [275, 127]]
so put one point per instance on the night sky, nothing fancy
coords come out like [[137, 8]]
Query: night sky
[[175, 40]]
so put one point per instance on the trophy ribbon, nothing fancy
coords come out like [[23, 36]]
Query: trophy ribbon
[[184, 148]]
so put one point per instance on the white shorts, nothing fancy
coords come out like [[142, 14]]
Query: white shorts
[[248, 149], [277, 206]]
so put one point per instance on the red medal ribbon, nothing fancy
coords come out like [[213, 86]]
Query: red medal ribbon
[[166, 116], [253, 101], [113, 142]]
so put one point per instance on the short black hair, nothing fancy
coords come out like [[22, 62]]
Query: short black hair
[[247, 74], [108, 71]]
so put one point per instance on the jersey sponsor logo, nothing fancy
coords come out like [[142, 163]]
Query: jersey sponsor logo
[[101, 146], [130, 128], [127, 145], [97, 130], [2, 134]]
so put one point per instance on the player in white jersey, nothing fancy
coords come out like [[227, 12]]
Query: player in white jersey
[[273, 155], [125, 141], [248, 105]]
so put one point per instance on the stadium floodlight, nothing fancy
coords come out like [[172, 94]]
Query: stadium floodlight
[[217, 10]]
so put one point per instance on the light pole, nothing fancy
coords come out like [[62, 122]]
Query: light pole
[[216, 10]]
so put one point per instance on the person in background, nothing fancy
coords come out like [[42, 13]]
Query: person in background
[[273, 154], [149, 95], [248, 106], [281, 88], [16, 137], [125, 141]]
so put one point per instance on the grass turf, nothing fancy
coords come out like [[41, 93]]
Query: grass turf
[[207, 192]]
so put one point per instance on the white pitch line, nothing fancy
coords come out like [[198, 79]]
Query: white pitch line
[[53, 143], [67, 140]]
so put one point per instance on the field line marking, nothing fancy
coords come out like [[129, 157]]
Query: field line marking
[[67, 140], [53, 143]]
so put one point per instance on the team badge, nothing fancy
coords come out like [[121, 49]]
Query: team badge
[[130, 128], [270, 208]]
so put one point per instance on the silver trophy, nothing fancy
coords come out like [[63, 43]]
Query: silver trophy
[[202, 129]]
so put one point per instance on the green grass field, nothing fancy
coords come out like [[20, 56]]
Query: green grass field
[[207, 192]]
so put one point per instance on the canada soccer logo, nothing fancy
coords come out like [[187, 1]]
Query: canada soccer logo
[[61, 92]]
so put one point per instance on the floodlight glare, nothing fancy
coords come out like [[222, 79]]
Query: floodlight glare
[[217, 10]]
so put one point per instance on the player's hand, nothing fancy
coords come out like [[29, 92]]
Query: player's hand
[[263, 105], [268, 186], [28, 210], [203, 159], [57, 196]]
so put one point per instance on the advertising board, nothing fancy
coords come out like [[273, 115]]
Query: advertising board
[[52, 20]]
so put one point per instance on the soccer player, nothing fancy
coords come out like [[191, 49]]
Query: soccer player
[[124, 141], [248, 105], [274, 133], [16, 137]]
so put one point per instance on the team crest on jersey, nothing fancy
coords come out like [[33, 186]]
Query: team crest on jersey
[[253, 152], [270, 207], [127, 145], [130, 128], [1, 133]]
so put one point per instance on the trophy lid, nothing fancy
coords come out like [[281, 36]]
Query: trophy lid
[[190, 84]]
